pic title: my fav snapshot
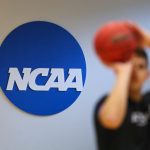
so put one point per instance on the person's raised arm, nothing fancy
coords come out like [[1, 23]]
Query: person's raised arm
[[112, 112]]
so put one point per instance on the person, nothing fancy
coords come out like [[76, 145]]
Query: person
[[122, 117]]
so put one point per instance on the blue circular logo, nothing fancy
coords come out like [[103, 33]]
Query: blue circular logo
[[42, 68]]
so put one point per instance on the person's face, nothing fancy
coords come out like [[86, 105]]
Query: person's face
[[139, 74]]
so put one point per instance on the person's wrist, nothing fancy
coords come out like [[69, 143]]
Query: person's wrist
[[125, 69], [123, 79], [124, 73]]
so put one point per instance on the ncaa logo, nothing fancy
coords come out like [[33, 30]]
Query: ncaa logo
[[42, 68]]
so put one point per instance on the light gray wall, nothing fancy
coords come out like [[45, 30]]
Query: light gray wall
[[72, 129]]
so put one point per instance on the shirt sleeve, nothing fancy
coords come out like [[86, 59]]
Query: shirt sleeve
[[98, 107], [147, 99]]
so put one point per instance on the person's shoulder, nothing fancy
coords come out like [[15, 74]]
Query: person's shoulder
[[147, 97], [99, 103], [147, 93], [101, 100]]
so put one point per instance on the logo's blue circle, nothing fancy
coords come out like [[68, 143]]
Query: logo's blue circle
[[32, 49]]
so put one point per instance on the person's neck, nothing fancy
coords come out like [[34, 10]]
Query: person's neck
[[135, 96]]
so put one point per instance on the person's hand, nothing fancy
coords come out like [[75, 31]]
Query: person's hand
[[142, 36], [122, 68]]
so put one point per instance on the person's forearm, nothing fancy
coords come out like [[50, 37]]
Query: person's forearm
[[114, 108]]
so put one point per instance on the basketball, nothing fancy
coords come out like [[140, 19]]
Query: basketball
[[115, 42]]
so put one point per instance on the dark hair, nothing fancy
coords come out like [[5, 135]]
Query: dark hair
[[140, 52]]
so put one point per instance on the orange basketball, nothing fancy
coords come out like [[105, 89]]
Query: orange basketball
[[115, 42]]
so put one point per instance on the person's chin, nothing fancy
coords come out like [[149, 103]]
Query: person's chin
[[134, 87]]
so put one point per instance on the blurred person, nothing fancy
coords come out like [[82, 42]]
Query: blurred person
[[122, 117]]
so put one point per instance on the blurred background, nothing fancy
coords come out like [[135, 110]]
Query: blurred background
[[72, 129]]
